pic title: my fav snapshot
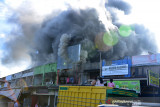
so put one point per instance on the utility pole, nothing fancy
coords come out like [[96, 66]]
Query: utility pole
[[100, 65]]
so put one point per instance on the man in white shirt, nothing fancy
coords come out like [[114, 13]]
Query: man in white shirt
[[100, 82]]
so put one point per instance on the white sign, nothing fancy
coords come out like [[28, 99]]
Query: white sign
[[146, 59], [115, 70]]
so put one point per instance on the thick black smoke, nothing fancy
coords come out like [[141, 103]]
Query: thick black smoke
[[44, 42], [120, 5], [140, 40], [82, 25]]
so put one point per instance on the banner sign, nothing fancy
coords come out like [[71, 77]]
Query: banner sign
[[72, 58], [146, 59], [153, 78], [130, 85], [126, 60], [115, 70]]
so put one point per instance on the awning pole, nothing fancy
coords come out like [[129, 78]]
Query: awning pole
[[48, 100]]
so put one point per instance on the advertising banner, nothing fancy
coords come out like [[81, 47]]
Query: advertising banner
[[126, 60], [72, 58], [130, 85], [153, 78], [146, 59], [115, 70]]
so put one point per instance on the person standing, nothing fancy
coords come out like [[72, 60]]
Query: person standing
[[99, 82], [93, 83], [36, 105], [111, 84], [16, 104], [105, 84]]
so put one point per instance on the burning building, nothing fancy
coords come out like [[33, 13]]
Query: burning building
[[73, 38]]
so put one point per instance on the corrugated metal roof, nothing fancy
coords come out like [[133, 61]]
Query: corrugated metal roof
[[12, 94]]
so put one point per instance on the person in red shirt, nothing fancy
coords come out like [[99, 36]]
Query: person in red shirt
[[111, 84]]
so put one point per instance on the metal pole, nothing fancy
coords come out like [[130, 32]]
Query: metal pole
[[49, 100], [147, 77], [100, 65]]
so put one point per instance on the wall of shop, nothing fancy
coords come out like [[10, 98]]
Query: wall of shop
[[45, 74], [141, 71], [38, 79], [67, 77]]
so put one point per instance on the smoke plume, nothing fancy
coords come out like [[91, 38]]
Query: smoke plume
[[44, 38], [62, 50]]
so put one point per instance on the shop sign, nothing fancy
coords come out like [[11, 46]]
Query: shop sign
[[153, 78], [63, 88], [153, 59], [115, 70], [73, 57], [130, 85]]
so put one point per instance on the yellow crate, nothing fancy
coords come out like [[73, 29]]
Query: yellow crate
[[81, 96]]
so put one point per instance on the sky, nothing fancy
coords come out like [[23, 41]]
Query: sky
[[144, 12]]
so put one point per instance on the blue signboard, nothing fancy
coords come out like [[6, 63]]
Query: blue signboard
[[126, 60]]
